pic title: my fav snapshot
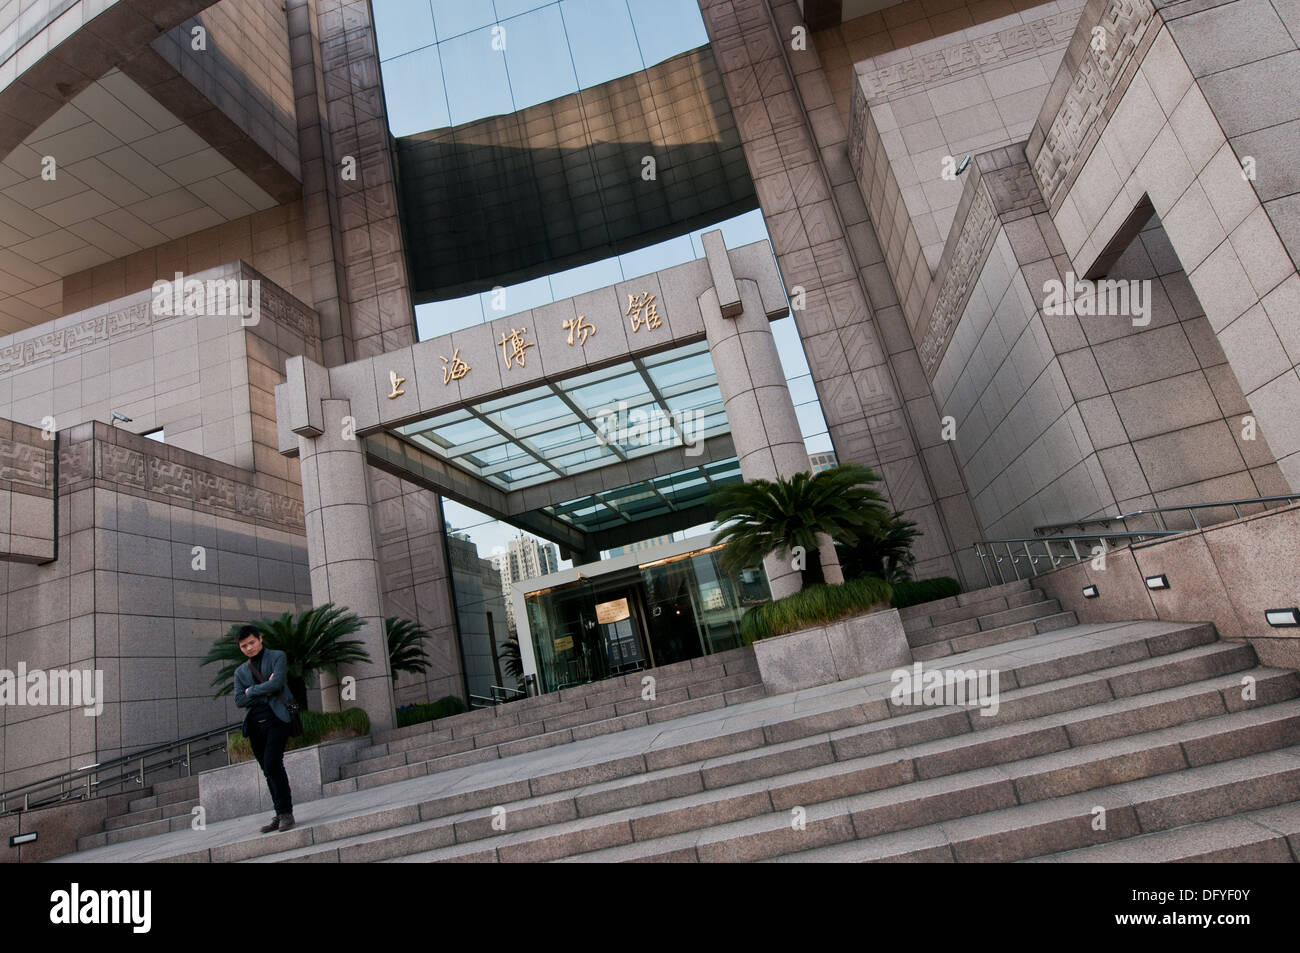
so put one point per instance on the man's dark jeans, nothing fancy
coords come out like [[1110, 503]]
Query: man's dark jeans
[[268, 735]]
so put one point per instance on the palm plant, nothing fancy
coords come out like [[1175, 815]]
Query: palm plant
[[767, 517], [511, 661], [886, 554], [315, 641], [406, 646]]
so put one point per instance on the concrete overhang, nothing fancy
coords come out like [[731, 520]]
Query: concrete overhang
[[109, 150]]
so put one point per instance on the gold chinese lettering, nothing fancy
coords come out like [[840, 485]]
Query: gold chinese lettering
[[513, 346], [584, 330], [454, 369], [643, 311], [396, 383]]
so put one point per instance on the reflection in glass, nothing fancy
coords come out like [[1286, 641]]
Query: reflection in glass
[[660, 612], [475, 75], [413, 92], [537, 57], [601, 39]]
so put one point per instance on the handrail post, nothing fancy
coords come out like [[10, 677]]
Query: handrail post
[[188, 770]]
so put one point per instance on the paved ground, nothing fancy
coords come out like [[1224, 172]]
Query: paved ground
[[634, 741]]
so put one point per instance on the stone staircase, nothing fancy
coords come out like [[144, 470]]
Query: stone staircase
[[1114, 741], [164, 806], [572, 714], [972, 620]]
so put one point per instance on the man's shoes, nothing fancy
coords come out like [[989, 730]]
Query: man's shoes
[[286, 821], [274, 825]]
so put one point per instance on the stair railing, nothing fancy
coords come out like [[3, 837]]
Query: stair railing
[[102, 777], [1011, 559], [1160, 519]]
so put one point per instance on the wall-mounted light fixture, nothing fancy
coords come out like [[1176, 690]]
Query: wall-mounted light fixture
[[19, 839], [1282, 618], [1157, 582], [1090, 592]]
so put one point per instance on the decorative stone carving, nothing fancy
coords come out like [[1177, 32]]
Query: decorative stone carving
[[275, 303], [973, 244], [25, 464], [1095, 82], [954, 61]]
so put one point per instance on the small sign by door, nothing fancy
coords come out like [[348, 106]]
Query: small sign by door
[[616, 611]]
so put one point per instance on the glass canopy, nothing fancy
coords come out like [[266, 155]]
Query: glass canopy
[[670, 493], [560, 428]]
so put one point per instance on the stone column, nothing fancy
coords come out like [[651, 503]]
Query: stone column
[[340, 542], [764, 426]]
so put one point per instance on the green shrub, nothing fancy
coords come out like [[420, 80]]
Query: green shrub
[[816, 605], [914, 592], [428, 711], [316, 727]]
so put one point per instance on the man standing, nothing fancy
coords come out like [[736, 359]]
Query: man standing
[[261, 686]]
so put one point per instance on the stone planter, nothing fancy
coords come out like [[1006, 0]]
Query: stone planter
[[240, 789], [858, 645]]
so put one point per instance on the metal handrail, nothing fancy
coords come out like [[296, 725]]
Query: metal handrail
[[1159, 511], [1021, 549], [89, 780]]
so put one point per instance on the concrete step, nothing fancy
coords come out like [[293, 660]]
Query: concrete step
[[1080, 709], [186, 793], [937, 614], [791, 762], [890, 796], [136, 831], [727, 783], [1253, 784], [667, 679], [175, 809], [985, 637], [993, 620], [700, 695], [188, 785], [1055, 665], [1271, 835]]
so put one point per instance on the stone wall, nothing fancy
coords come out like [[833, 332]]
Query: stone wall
[[1061, 417], [27, 469], [131, 596], [1229, 574], [207, 381], [1135, 122]]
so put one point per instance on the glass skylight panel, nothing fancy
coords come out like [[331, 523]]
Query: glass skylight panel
[[452, 435], [608, 393], [550, 440], [692, 368], [522, 473], [534, 411], [501, 403], [695, 399]]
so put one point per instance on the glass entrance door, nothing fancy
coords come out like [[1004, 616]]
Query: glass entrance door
[[623, 644]]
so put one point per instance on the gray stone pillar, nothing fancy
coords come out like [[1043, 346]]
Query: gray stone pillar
[[764, 426], [341, 549]]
